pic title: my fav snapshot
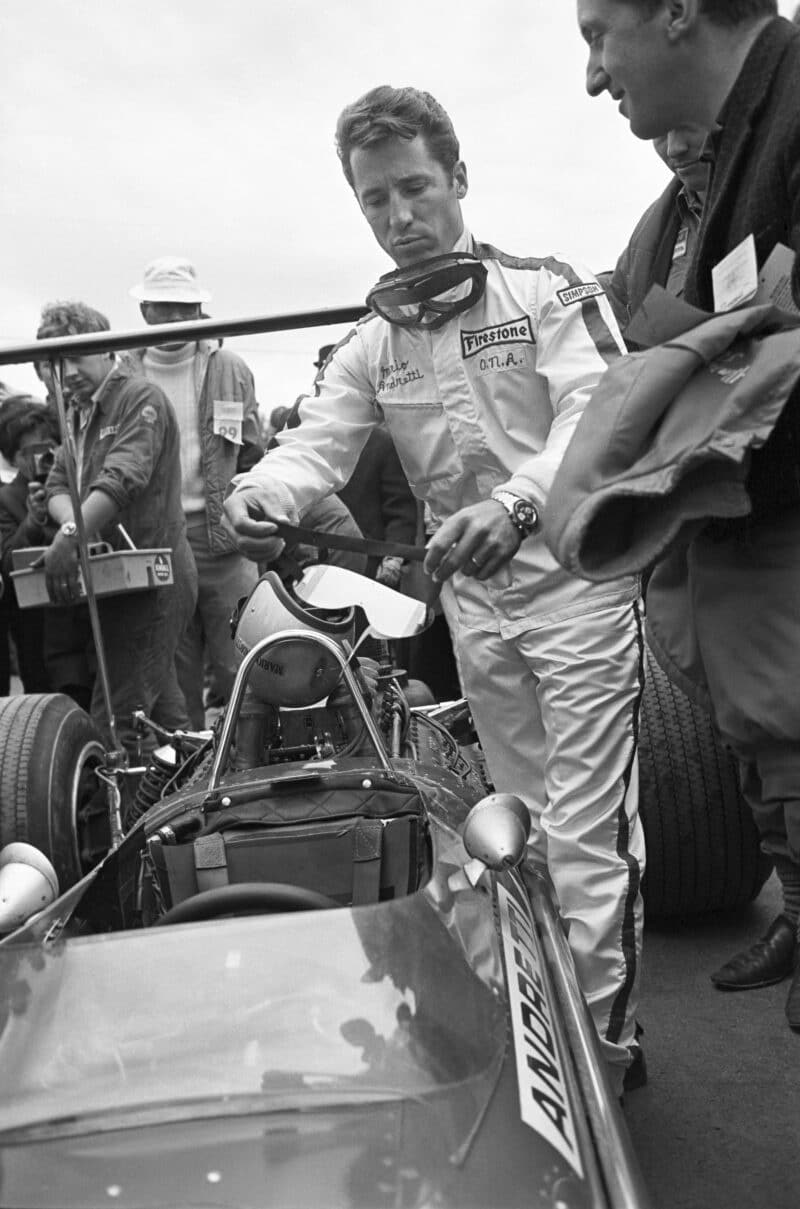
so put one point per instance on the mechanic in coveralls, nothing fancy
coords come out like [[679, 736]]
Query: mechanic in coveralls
[[481, 364]]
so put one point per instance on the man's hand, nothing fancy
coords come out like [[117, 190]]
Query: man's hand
[[390, 571], [61, 570], [477, 541], [36, 503], [245, 519]]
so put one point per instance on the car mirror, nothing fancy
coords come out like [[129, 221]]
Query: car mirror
[[495, 835], [28, 883]]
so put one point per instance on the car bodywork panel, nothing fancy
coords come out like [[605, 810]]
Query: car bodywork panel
[[368, 1051]]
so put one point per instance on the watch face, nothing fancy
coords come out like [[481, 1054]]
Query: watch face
[[525, 514]]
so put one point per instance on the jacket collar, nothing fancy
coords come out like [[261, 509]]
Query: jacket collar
[[748, 97], [749, 92], [103, 397]]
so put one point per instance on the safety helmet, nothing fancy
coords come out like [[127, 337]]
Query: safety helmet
[[294, 671]]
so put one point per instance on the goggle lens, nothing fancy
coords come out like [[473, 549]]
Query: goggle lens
[[423, 295]]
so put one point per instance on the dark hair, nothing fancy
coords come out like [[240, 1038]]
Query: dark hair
[[385, 112], [19, 415], [70, 319], [721, 12]]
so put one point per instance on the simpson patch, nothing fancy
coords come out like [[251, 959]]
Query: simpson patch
[[514, 331], [577, 293]]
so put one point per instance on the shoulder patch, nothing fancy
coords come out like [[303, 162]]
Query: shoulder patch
[[577, 293], [148, 414]]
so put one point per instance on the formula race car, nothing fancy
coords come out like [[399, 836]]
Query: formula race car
[[292, 960], [308, 972]]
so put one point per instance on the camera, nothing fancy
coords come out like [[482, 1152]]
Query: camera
[[41, 462]]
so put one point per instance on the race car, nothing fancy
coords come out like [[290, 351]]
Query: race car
[[300, 964], [309, 973]]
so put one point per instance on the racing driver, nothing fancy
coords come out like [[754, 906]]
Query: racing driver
[[481, 365]]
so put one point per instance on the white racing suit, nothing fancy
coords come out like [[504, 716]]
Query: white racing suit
[[552, 665]]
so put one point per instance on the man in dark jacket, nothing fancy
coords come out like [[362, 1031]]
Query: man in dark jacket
[[733, 66], [664, 240], [128, 469]]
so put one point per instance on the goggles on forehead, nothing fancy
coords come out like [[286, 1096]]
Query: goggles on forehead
[[430, 292]]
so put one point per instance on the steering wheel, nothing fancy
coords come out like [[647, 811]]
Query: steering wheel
[[246, 898]]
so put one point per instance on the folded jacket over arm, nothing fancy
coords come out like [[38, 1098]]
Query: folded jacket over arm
[[663, 445]]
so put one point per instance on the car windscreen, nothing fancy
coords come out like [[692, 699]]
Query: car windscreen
[[398, 1000]]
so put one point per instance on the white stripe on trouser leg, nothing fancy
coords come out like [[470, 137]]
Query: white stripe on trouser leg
[[556, 709]]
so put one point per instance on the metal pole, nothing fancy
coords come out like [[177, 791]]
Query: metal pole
[[166, 333], [70, 466]]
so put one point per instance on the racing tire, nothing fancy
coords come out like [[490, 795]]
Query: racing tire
[[49, 748], [702, 846]]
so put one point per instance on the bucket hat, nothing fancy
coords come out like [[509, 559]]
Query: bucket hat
[[170, 279]]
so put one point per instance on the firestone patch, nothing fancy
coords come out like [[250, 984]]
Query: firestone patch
[[512, 331]]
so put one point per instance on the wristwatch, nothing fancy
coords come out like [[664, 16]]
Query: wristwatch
[[69, 529], [522, 513]]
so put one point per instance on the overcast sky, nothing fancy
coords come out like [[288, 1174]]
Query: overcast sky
[[138, 128]]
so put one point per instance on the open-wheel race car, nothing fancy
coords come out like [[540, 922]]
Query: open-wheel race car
[[308, 974], [298, 964]]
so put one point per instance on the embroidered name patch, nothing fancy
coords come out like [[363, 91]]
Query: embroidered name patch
[[110, 431], [577, 293], [515, 331], [396, 374]]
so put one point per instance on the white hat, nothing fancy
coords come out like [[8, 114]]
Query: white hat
[[170, 279]]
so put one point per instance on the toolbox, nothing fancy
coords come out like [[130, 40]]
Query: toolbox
[[114, 572]]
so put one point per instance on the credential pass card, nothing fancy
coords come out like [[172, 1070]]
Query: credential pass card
[[735, 278], [228, 415]]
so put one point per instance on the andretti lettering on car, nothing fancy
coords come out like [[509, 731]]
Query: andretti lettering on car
[[512, 331], [543, 1096]]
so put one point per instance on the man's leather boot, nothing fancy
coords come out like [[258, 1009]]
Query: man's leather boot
[[769, 960]]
